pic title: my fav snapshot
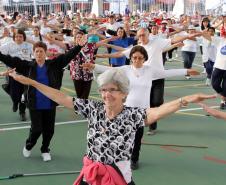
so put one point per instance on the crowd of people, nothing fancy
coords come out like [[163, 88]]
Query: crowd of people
[[41, 48]]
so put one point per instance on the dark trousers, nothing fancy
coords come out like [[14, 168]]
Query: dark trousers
[[137, 144], [42, 122], [188, 58], [170, 53], [209, 68], [219, 81], [164, 59], [16, 90], [82, 88], [156, 97]]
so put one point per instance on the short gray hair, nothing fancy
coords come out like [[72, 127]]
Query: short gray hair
[[116, 76]]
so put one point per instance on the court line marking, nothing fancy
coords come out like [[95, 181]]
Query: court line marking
[[199, 108], [214, 159], [68, 122], [191, 114], [171, 149], [179, 112], [58, 123]]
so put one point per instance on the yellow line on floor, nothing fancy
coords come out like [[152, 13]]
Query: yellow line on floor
[[179, 86], [72, 91], [190, 114]]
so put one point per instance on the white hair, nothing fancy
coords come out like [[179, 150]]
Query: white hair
[[115, 76]]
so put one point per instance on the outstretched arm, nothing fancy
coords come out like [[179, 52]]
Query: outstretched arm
[[111, 55], [181, 39], [6, 73], [154, 114], [51, 93], [213, 112]]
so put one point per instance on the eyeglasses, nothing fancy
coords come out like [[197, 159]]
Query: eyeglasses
[[110, 90], [137, 58]]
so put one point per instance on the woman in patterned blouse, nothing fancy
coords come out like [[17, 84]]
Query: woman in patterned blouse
[[111, 125], [83, 78]]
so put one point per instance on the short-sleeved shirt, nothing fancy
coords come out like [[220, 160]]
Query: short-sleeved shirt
[[110, 140], [86, 55], [220, 43], [23, 51]]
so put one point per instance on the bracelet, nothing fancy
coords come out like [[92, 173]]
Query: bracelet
[[183, 103]]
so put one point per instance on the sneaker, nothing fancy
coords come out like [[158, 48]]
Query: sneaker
[[208, 82], [23, 117], [187, 77], [46, 157], [151, 132], [134, 165], [26, 153]]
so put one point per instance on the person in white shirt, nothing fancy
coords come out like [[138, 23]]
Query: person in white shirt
[[219, 73], [45, 28], [17, 48], [154, 48], [5, 38], [209, 55], [189, 50]]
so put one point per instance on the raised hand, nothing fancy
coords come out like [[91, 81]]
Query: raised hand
[[6, 73], [88, 66], [213, 112], [113, 38], [197, 98], [20, 78]]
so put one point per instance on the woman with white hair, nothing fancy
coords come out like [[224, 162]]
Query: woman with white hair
[[141, 77], [111, 125]]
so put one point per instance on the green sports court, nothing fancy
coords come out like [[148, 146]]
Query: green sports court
[[199, 157]]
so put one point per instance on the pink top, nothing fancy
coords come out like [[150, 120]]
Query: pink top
[[97, 173]]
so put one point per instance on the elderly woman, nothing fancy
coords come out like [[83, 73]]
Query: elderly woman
[[111, 125], [141, 77]]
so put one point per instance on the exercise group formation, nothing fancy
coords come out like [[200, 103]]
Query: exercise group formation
[[38, 49]]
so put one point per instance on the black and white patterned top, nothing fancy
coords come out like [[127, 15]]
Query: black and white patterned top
[[109, 141]]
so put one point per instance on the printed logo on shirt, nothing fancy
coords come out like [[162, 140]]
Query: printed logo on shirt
[[223, 50]]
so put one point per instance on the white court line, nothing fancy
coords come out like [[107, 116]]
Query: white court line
[[67, 122], [58, 123], [73, 122], [200, 108]]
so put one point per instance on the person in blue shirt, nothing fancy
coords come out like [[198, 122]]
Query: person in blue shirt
[[122, 41], [42, 109]]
